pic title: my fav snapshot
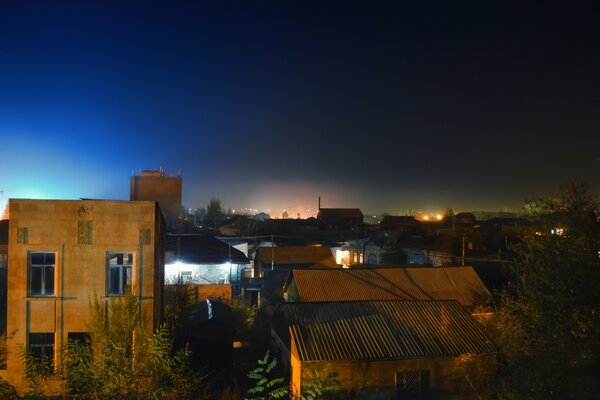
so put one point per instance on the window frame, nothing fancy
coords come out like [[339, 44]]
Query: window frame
[[42, 271], [121, 269], [45, 361]]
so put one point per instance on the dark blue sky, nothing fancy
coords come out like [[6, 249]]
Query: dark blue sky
[[387, 106]]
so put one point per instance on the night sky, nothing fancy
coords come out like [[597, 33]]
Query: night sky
[[386, 106]]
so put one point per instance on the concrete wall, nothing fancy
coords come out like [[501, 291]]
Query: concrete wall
[[376, 379], [166, 190], [80, 234]]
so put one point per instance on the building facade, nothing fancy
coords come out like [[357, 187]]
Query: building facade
[[62, 253], [155, 186]]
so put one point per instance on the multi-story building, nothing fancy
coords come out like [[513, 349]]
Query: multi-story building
[[155, 186], [62, 253]]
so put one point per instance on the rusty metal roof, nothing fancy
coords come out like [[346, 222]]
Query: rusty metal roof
[[379, 330], [443, 283]]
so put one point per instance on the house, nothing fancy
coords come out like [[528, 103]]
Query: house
[[273, 264], [340, 218], [400, 283], [384, 349], [203, 259], [402, 223], [366, 251], [286, 258], [61, 253], [3, 285], [435, 251]]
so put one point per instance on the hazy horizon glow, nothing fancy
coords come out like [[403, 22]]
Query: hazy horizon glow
[[382, 106]]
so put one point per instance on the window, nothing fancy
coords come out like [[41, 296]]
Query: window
[[41, 350], [412, 384], [80, 338], [186, 276], [41, 274], [119, 273]]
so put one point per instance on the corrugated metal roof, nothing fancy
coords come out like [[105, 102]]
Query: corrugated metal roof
[[380, 330], [297, 255], [443, 283]]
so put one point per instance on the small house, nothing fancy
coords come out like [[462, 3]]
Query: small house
[[384, 349]]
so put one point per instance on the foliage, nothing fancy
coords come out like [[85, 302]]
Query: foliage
[[477, 375], [123, 360], [214, 212], [266, 386], [548, 324], [244, 315], [7, 391], [318, 387]]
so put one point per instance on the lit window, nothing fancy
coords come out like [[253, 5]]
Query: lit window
[[119, 273], [41, 350], [41, 274], [186, 276]]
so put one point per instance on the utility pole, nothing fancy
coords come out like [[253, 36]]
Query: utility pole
[[272, 254], [462, 260], [357, 249]]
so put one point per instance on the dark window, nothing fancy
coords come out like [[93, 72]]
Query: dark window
[[41, 349], [119, 273], [412, 384], [41, 274], [81, 338]]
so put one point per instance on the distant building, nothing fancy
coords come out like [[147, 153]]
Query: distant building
[[155, 186], [365, 251], [61, 253], [384, 349], [340, 218]]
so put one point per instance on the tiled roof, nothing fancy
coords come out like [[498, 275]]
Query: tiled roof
[[380, 330], [443, 283], [304, 255]]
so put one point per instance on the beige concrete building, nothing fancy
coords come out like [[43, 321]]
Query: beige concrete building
[[155, 186], [63, 252]]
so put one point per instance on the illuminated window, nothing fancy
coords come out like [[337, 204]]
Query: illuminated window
[[186, 276], [41, 274], [119, 273], [41, 350]]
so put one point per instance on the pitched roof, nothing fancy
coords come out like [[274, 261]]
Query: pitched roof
[[203, 249], [379, 330], [296, 255], [340, 213], [442, 283]]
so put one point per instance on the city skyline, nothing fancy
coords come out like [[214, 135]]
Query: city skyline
[[382, 106]]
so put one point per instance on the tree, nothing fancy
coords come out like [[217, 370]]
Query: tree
[[123, 360], [214, 212], [266, 386], [548, 323]]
